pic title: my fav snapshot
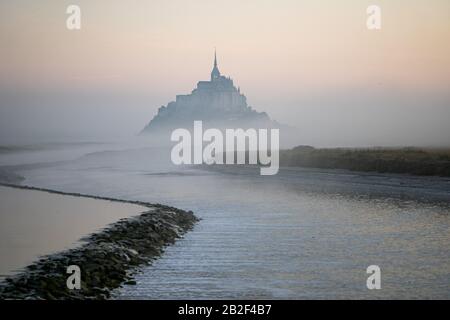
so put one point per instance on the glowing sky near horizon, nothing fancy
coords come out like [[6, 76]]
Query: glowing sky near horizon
[[290, 58]]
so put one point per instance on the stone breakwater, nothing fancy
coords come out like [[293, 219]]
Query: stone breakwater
[[107, 259]]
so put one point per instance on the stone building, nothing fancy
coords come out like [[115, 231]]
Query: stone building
[[217, 102]]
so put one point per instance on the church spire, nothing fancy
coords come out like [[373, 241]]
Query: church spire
[[215, 58], [215, 73]]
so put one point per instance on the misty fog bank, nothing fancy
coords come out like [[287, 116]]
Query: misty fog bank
[[346, 119]]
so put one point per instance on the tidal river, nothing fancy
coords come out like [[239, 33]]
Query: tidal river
[[300, 234]]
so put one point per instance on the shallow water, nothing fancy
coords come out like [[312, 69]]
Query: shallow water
[[299, 234], [35, 223]]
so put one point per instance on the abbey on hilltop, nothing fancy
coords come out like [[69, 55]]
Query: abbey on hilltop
[[217, 102]]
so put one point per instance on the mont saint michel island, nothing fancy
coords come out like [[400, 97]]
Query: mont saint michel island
[[217, 102]]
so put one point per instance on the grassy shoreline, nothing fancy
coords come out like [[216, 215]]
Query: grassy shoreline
[[415, 161]]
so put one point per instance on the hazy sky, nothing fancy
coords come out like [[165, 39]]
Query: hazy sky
[[312, 64]]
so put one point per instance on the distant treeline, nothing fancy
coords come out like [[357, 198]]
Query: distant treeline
[[417, 161]]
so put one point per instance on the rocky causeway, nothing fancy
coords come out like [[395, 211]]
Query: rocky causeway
[[107, 259]]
